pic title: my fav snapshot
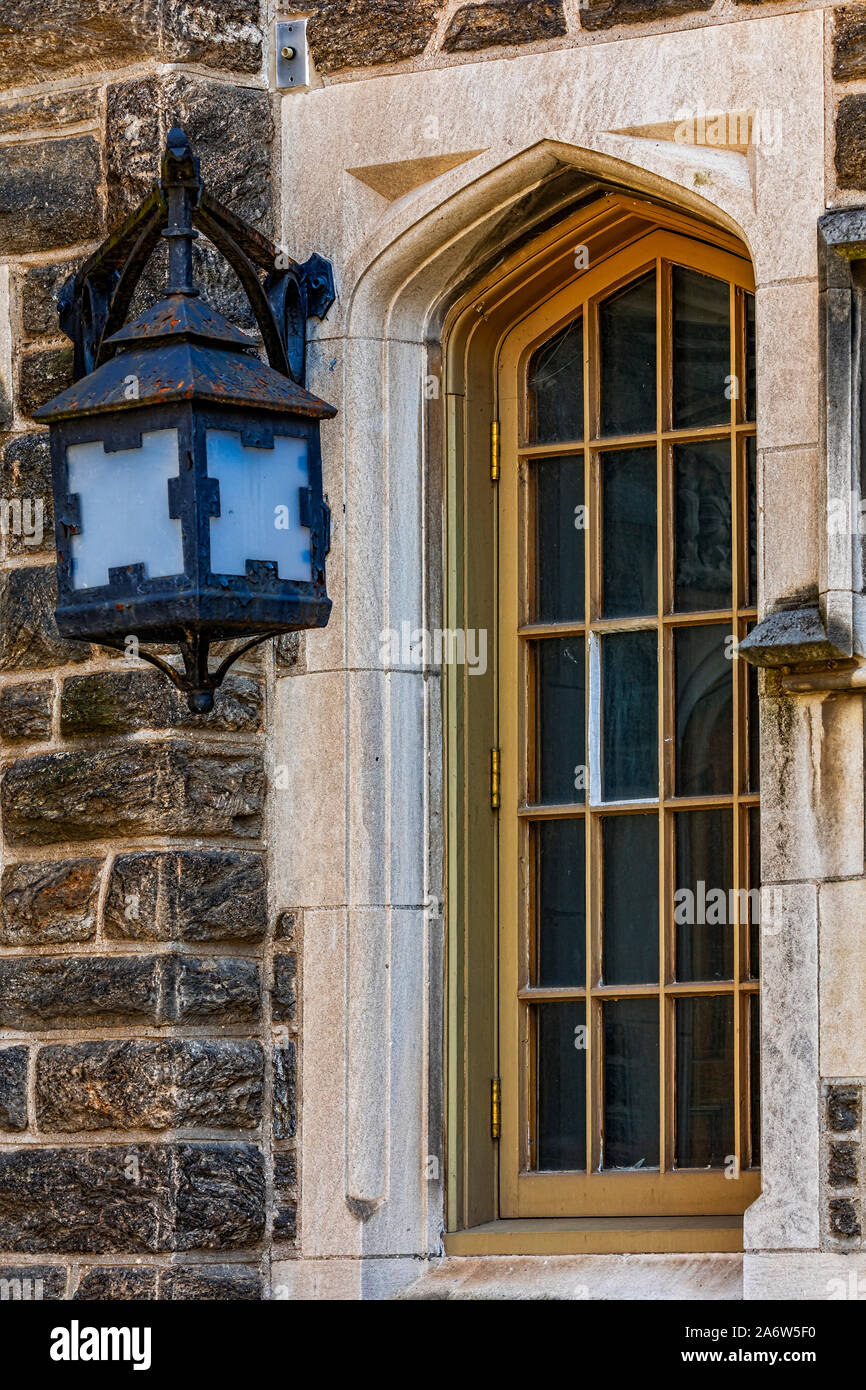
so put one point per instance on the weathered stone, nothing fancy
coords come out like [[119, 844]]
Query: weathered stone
[[205, 990], [842, 1166], [844, 1220], [285, 1172], [25, 711], [45, 903], [288, 653], [177, 788], [49, 193], [220, 1201], [72, 36], [135, 1198], [32, 1283], [849, 43], [13, 1088], [843, 1108], [604, 14], [512, 21], [26, 114], [214, 33], [123, 701], [851, 142], [285, 1223], [28, 633], [127, 1084], [287, 924], [285, 1114], [119, 1283], [212, 1283], [364, 33], [195, 895], [133, 143], [283, 992], [25, 479], [63, 992], [42, 374], [39, 290]]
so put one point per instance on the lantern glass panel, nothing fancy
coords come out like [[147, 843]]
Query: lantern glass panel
[[260, 517], [123, 509]]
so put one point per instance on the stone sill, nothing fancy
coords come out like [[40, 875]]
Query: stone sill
[[584, 1278], [638, 1235]]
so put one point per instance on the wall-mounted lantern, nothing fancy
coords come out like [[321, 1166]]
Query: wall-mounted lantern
[[187, 474]]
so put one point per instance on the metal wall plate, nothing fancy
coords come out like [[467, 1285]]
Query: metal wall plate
[[293, 62]]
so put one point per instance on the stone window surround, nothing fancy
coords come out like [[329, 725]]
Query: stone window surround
[[371, 1215]]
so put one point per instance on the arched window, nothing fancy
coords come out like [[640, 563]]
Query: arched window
[[628, 818]]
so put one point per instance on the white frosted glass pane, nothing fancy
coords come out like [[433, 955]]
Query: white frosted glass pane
[[259, 505], [123, 502]]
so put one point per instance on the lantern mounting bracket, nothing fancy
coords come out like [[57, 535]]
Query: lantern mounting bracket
[[196, 681], [283, 294]]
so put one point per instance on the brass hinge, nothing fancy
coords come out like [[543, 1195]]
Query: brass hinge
[[494, 779], [494, 452], [495, 1107]]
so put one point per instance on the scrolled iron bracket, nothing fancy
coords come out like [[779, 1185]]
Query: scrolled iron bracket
[[283, 294]]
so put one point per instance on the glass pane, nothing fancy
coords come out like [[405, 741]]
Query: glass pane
[[555, 389], [630, 912], [702, 350], [702, 484], [561, 888], [560, 530], [752, 499], [703, 914], [628, 520], [755, 887], [561, 1082], [629, 678], [627, 325], [754, 777], [755, 1077], [631, 1083], [704, 694], [751, 375], [561, 695], [259, 500], [123, 509], [705, 1081]]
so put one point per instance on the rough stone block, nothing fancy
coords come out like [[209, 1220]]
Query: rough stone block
[[25, 712], [211, 1283], [512, 22], [13, 1088], [32, 1283], [63, 992], [116, 1284], [220, 1201], [42, 374], [124, 701], [195, 895], [45, 903], [24, 115], [287, 924], [842, 1167], [285, 1223], [364, 33], [227, 990], [226, 35], [843, 1108], [284, 989], [851, 142], [25, 479], [844, 1218], [604, 14], [49, 193], [28, 633], [128, 1084], [285, 1112], [849, 43], [176, 788], [70, 36], [39, 289]]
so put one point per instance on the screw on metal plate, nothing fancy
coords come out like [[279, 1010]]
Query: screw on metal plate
[[293, 65]]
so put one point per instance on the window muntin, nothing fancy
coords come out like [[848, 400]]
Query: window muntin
[[639, 737]]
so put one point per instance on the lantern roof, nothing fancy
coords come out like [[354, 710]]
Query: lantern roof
[[182, 349]]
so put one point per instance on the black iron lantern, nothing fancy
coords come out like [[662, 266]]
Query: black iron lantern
[[187, 474]]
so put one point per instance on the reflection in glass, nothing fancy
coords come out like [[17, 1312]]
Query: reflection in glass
[[754, 778], [705, 1081], [754, 885], [628, 520], [629, 702], [752, 499], [561, 693], [561, 888], [702, 349], [555, 388], [702, 484], [561, 1086], [560, 537], [631, 1083], [704, 712], [751, 375], [755, 1077], [630, 911], [627, 326], [702, 902]]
